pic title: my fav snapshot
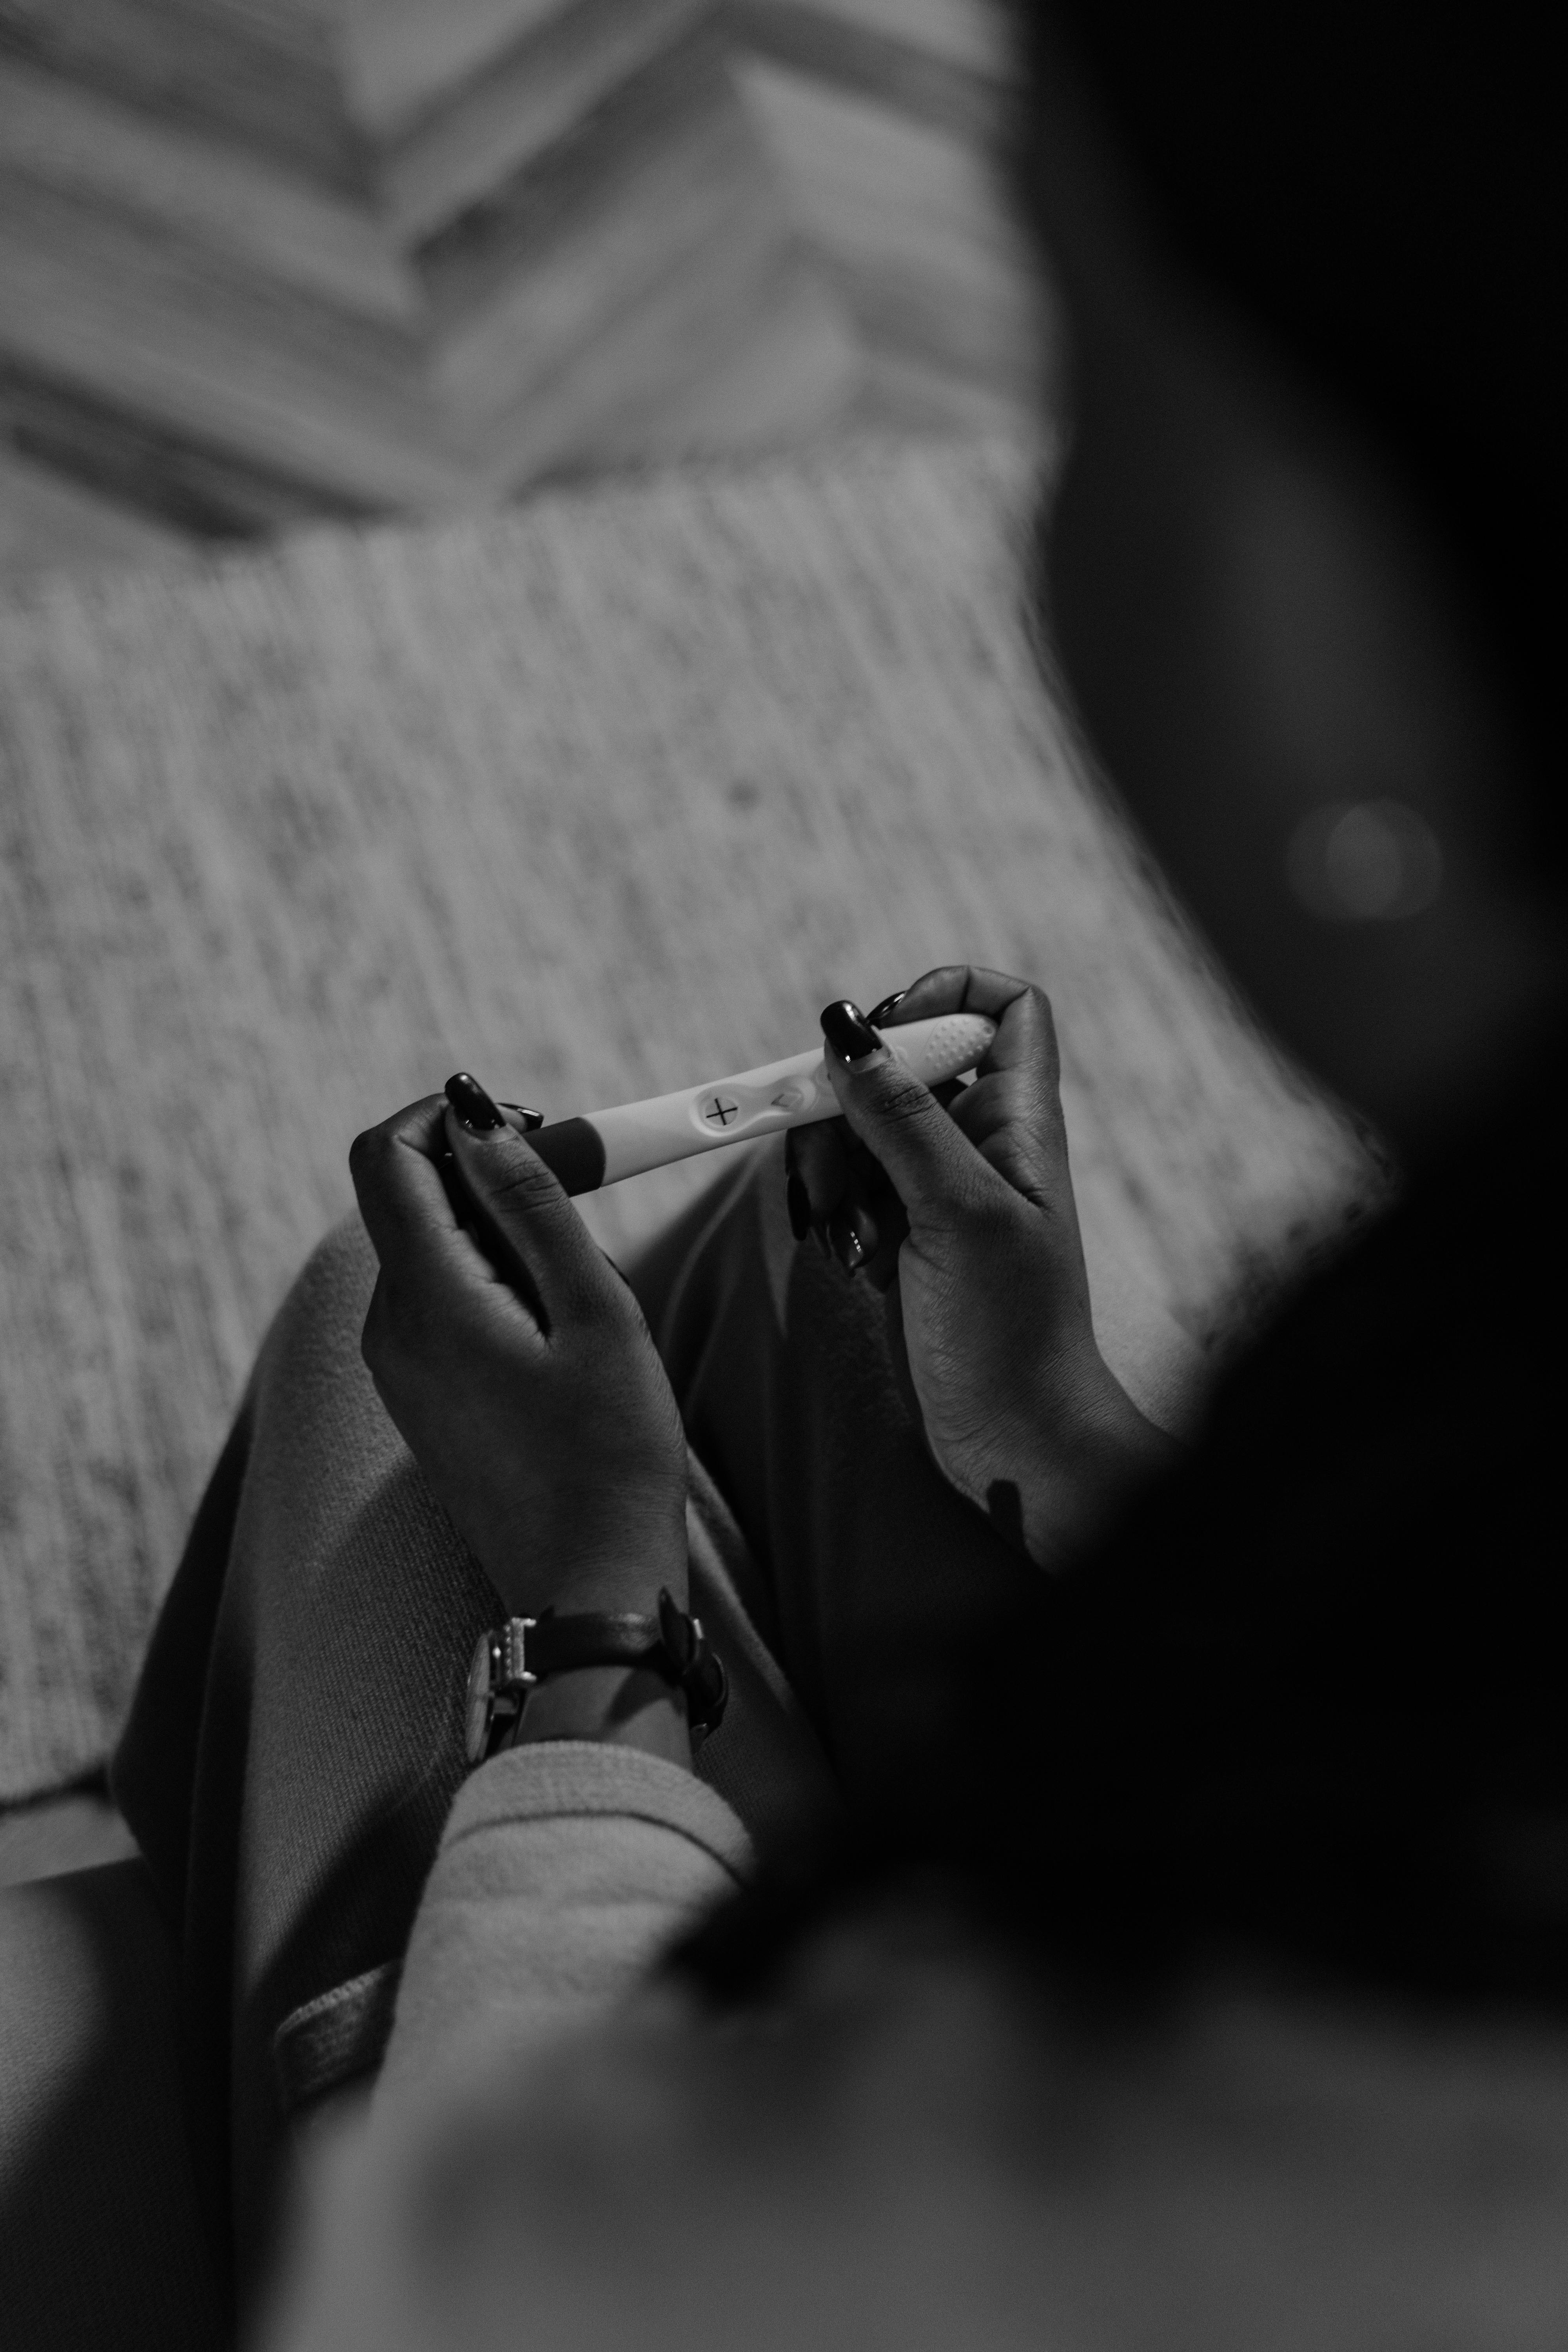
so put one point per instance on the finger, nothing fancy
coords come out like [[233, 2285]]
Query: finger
[[432, 1240], [407, 1211], [529, 1217], [929, 1162], [851, 1236], [797, 1201], [375, 1335], [820, 1158], [1012, 1113], [436, 1245], [952, 988], [882, 1267], [846, 1200], [384, 1344]]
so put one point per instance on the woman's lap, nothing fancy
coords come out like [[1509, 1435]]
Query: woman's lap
[[289, 1758], [297, 1736]]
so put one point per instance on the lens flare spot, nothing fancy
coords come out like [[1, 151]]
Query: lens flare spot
[[1364, 862]]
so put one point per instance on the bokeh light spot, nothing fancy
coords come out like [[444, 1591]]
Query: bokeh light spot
[[1364, 862]]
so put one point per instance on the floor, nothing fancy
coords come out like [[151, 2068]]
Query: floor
[[264, 261], [79, 1831], [260, 265]]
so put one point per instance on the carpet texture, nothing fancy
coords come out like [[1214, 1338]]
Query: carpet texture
[[596, 798]]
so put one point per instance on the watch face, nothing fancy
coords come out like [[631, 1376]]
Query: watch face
[[481, 1687]]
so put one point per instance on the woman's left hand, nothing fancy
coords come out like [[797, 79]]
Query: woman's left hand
[[958, 1205], [520, 1373]]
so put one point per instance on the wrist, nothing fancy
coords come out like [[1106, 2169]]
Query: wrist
[[634, 1679], [1110, 1453], [1071, 1463], [618, 1568], [629, 1587], [624, 1707]]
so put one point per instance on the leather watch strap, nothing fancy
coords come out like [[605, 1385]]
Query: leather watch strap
[[526, 1651]]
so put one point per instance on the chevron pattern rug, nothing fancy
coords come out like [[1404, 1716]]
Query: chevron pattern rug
[[264, 261]]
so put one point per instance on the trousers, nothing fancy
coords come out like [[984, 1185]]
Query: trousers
[[296, 1737]]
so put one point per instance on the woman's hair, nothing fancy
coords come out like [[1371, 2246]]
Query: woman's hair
[[1378, 193]]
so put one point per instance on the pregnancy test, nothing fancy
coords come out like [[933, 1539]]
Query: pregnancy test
[[603, 1146]]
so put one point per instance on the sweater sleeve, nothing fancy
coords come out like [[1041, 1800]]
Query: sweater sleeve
[[565, 1868]]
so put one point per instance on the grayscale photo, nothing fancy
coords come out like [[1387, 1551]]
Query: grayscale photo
[[783, 987]]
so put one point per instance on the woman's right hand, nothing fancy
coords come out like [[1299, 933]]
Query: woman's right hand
[[961, 1210], [517, 1365]]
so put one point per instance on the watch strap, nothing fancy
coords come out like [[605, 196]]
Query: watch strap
[[557, 1645], [509, 1661]]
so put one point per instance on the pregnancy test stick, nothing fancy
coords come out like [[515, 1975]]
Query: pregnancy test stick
[[603, 1146]]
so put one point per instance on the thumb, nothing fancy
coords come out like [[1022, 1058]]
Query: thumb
[[929, 1163]]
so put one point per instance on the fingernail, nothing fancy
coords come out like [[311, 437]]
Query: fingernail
[[889, 1004], [819, 1235], [850, 1034], [474, 1107], [847, 1244], [529, 1117], [797, 1200]]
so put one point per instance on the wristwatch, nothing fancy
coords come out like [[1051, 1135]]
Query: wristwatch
[[512, 1658]]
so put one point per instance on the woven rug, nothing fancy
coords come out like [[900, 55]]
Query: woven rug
[[596, 798]]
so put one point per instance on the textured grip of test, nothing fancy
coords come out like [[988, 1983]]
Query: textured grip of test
[[945, 1048]]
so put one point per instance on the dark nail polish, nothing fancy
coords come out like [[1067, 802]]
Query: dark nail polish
[[848, 1032], [889, 1004], [846, 1243], [472, 1105], [797, 1200], [529, 1117]]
